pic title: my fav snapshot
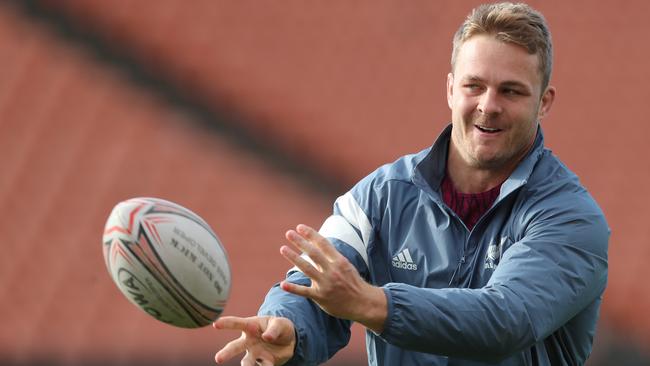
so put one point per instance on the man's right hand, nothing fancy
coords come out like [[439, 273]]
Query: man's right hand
[[266, 340]]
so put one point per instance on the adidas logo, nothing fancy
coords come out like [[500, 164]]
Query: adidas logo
[[403, 260]]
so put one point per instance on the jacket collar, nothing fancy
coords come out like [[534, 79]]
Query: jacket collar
[[430, 166]]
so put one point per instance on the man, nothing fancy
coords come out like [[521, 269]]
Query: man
[[483, 249]]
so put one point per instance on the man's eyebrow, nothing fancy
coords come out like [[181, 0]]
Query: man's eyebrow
[[470, 78], [503, 84], [514, 83]]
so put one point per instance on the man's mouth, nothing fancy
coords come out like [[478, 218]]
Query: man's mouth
[[487, 129]]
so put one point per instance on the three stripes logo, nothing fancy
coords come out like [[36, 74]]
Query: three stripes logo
[[403, 260]]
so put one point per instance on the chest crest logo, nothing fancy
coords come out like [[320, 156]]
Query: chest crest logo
[[494, 252]]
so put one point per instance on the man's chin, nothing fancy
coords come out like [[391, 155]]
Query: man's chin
[[485, 161]]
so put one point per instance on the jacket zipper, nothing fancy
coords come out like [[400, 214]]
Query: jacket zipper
[[453, 275]]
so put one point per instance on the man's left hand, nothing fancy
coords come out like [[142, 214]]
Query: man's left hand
[[336, 285]]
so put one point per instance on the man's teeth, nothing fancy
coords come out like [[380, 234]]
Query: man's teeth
[[488, 129]]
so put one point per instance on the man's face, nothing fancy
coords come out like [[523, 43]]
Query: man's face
[[496, 100]]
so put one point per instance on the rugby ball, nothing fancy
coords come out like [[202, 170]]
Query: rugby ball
[[167, 261]]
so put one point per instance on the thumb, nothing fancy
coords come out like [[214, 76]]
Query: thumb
[[278, 331], [272, 331]]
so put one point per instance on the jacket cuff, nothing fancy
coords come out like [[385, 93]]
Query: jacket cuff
[[392, 324], [390, 309]]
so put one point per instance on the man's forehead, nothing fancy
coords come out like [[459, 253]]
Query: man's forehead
[[484, 58]]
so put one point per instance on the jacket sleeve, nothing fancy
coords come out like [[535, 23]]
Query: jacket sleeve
[[556, 269], [319, 335]]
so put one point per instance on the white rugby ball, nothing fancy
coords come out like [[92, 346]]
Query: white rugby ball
[[167, 261]]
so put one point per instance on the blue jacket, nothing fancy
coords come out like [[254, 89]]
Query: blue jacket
[[523, 287]]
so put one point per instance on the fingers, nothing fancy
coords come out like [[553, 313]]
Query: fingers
[[249, 360], [303, 291], [320, 241], [312, 243], [250, 331], [314, 252], [279, 331], [231, 322], [274, 330], [264, 339], [306, 267], [232, 349]]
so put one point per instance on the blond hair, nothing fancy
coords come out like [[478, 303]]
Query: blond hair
[[512, 23]]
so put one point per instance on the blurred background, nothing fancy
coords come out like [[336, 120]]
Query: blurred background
[[257, 115]]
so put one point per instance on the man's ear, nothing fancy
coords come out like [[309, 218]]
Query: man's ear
[[450, 88], [547, 101]]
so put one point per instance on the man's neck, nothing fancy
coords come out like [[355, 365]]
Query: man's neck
[[470, 179]]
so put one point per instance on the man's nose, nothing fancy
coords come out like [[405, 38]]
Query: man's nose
[[489, 103]]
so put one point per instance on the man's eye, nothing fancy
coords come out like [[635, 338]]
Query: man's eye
[[511, 91]]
